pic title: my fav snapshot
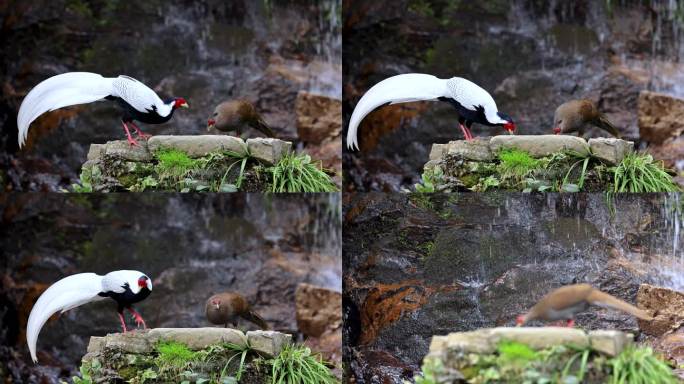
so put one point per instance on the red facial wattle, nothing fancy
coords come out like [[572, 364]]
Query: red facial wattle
[[142, 282], [211, 122], [180, 103], [510, 127], [557, 130]]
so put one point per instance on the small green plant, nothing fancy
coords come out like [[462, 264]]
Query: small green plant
[[85, 184], [297, 173], [296, 365], [431, 370], [640, 366], [429, 180], [174, 161], [174, 353], [514, 351], [640, 173], [87, 370], [516, 164]]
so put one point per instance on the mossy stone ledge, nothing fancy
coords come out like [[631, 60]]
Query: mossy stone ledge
[[528, 163], [218, 163], [135, 356]]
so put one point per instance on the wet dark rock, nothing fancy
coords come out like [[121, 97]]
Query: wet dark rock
[[661, 117], [319, 317], [667, 306]]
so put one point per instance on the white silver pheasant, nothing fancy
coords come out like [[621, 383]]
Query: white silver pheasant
[[125, 287], [473, 104], [139, 102]]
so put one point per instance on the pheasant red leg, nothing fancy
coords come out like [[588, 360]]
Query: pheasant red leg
[[466, 132], [130, 139], [140, 133], [123, 322], [138, 319]]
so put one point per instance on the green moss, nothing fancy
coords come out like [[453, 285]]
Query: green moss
[[173, 162], [516, 164], [174, 353]]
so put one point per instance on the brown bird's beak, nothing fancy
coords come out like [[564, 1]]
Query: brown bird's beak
[[519, 321], [210, 124], [557, 130]]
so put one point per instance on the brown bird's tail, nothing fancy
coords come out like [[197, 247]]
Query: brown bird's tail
[[256, 319], [261, 125], [603, 299], [605, 124]]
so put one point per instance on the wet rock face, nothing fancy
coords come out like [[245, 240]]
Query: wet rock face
[[319, 317], [661, 117], [424, 265], [233, 52], [667, 306], [319, 126], [192, 246]]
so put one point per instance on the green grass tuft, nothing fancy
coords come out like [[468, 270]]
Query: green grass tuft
[[175, 354], [297, 173], [640, 365], [640, 173], [514, 163], [173, 162], [296, 365]]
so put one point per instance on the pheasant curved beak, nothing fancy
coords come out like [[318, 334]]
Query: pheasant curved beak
[[557, 130], [184, 105], [210, 124]]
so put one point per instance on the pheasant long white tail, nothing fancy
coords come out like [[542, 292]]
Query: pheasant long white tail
[[68, 293], [60, 91], [396, 89]]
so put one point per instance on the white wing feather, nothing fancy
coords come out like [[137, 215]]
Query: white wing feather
[[139, 96], [396, 89], [59, 91], [68, 293]]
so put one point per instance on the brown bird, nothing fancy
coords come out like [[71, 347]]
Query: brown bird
[[565, 302], [224, 308], [232, 115], [574, 115]]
